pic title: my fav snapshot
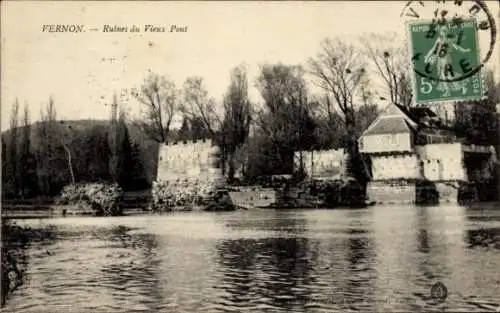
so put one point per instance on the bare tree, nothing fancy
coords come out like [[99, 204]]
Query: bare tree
[[339, 70], [13, 167], [65, 140], [57, 137], [227, 128], [200, 108], [391, 65], [46, 149], [113, 132], [159, 97], [198, 105]]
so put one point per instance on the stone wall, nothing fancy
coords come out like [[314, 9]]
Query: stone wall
[[321, 163], [442, 162], [186, 174], [434, 162], [387, 193], [254, 196], [423, 192], [187, 161], [395, 166]]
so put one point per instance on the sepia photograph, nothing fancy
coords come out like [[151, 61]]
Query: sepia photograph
[[250, 156]]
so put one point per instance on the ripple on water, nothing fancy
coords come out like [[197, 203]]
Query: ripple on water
[[383, 259]]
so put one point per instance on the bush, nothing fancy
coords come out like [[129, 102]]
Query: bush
[[104, 199], [169, 194]]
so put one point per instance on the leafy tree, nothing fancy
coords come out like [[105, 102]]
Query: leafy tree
[[287, 117], [97, 155], [52, 166], [130, 173], [138, 175], [7, 185], [261, 158], [27, 163], [236, 121], [125, 161], [477, 121], [184, 133], [113, 137], [4, 152], [197, 128]]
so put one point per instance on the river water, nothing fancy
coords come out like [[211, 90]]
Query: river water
[[384, 258]]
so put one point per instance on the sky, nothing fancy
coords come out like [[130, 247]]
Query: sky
[[81, 71]]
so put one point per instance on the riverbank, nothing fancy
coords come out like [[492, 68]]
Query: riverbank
[[136, 202], [11, 278], [57, 211], [242, 197], [14, 240]]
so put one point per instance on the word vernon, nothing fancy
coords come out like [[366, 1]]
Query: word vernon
[[63, 28], [146, 28]]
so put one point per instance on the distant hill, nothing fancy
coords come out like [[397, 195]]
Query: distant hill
[[148, 148]]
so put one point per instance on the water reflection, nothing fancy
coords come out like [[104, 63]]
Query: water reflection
[[269, 273], [133, 271], [359, 288], [86, 269], [377, 259], [429, 269]]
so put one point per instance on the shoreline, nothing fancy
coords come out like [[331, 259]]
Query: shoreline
[[37, 211], [8, 212]]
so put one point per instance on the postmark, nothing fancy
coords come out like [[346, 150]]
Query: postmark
[[444, 45]]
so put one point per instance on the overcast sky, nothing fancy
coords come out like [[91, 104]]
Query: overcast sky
[[82, 71]]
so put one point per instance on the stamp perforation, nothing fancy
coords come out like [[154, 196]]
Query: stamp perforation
[[480, 74]]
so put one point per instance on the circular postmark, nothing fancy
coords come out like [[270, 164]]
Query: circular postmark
[[444, 38], [439, 292]]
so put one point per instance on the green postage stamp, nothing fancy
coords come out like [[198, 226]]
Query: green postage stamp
[[446, 62]]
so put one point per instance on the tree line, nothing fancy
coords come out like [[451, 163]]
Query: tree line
[[40, 159], [259, 138]]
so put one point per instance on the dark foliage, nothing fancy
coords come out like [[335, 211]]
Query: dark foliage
[[129, 168], [42, 150]]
